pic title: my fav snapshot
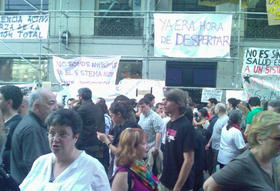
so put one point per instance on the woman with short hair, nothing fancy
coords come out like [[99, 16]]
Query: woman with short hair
[[131, 173], [66, 168], [256, 168]]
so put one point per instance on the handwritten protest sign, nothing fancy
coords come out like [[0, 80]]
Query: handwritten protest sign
[[86, 70], [273, 12], [192, 35], [24, 26], [261, 72], [208, 93]]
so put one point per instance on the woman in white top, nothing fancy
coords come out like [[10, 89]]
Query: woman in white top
[[232, 141], [66, 168]]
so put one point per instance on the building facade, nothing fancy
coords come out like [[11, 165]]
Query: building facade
[[125, 27]]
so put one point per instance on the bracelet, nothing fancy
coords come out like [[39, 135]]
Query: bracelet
[[109, 144]]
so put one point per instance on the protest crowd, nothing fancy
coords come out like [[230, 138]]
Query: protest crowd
[[172, 145]]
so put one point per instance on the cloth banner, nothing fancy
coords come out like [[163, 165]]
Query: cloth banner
[[208, 93], [192, 35], [24, 26], [273, 12], [238, 94], [132, 88], [86, 71], [261, 73]]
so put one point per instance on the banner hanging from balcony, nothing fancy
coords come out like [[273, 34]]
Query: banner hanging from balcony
[[261, 73], [86, 71], [24, 26], [192, 35], [273, 12]]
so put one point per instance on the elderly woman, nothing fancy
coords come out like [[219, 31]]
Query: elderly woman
[[254, 169], [66, 168], [131, 173]]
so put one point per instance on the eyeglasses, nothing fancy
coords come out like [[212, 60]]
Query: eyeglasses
[[62, 134], [274, 138]]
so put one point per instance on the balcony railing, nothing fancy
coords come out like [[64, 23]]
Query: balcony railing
[[256, 26], [122, 24]]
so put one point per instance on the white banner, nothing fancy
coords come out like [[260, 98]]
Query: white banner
[[192, 35], [86, 71], [208, 93], [132, 88], [238, 94], [261, 73], [24, 26]]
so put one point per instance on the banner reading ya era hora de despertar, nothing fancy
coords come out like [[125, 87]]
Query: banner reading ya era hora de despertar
[[192, 35], [86, 71]]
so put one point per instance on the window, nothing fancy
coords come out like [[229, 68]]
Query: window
[[18, 70], [190, 5], [257, 24], [191, 74], [27, 5], [112, 23]]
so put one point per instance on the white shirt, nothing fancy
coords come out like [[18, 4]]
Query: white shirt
[[165, 121], [84, 174], [231, 144]]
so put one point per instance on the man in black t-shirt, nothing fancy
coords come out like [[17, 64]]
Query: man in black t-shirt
[[178, 172]]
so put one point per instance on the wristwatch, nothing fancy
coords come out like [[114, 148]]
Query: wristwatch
[[109, 144]]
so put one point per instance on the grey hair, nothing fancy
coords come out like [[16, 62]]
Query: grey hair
[[275, 103], [221, 107], [34, 97]]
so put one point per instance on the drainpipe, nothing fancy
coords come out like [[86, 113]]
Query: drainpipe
[[147, 40]]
